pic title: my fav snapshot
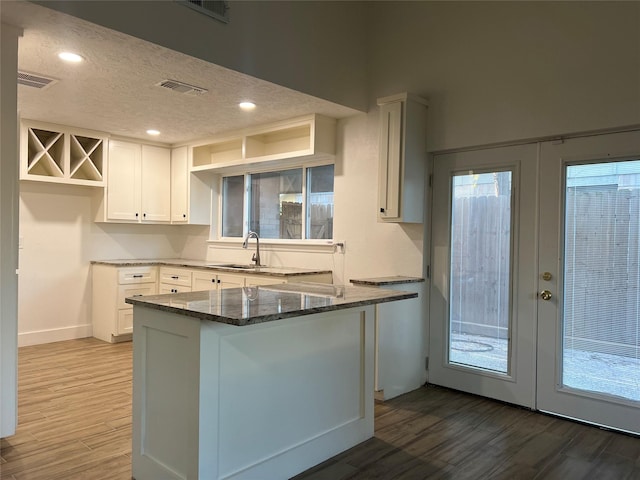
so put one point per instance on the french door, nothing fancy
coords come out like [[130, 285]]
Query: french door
[[482, 318], [536, 276]]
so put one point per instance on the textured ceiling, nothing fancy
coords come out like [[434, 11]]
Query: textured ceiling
[[114, 90]]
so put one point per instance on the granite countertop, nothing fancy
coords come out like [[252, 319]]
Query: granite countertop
[[393, 280], [220, 266], [251, 305]]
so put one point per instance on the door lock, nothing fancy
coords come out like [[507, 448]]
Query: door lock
[[546, 276]]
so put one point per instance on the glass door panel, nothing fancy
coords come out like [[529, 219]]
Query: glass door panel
[[480, 272], [601, 308]]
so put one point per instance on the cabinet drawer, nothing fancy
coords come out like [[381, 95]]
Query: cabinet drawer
[[125, 321], [175, 276], [125, 291], [142, 274], [168, 288], [203, 280]]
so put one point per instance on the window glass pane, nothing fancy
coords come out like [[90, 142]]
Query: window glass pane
[[276, 204], [320, 202], [601, 307], [479, 294], [232, 206]]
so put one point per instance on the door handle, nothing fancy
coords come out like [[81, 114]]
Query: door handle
[[545, 295]]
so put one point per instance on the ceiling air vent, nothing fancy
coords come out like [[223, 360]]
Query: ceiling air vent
[[34, 80], [214, 8], [182, 87]]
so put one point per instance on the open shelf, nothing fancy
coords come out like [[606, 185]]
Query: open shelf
[[86, 158], [282, 142], [223, 151], [45, 153]]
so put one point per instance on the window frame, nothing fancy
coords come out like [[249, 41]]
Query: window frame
[[219, 238]]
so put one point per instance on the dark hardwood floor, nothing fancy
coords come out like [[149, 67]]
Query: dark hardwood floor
[[75, 423], [436, 433]]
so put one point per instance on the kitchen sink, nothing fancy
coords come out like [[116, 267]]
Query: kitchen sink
[[236, 266]]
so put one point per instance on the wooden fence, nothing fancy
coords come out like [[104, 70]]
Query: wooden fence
[[602, 277]]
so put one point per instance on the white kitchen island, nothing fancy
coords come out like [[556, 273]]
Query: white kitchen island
[[251, 383]]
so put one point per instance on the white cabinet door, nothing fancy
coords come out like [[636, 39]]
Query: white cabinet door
[[403, 155], [123, 186], [156, 184], [390, 158], [203, 280], [230, 281], [179, 185]]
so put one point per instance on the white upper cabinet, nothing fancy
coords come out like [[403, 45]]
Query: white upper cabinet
[[58, 154], [402, 158], [139, 183]]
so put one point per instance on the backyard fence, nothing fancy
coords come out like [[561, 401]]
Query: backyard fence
[[602, 277]]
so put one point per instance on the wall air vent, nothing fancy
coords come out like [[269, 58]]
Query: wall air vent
[[34, 80], [182, 87], [214, 8]]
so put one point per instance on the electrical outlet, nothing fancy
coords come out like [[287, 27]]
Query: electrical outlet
[[339, 246]]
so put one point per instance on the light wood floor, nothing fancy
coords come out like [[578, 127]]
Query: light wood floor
[[74, 413], [75, 423]]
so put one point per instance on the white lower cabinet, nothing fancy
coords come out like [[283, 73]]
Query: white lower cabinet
[[226, 280], [112, 285], [112, 318], [175, 280]]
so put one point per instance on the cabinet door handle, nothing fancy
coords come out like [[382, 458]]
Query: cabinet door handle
[[381, 210], [175, 277], [184, 215], [137, 295], [137, 276], [136, 214], [144, 215]]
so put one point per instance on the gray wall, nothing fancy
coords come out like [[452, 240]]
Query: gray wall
[[499, 71], [314, 47], [8, 229]]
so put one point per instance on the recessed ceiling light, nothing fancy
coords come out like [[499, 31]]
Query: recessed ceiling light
[[153, 132], [247, 105], [70, 57]]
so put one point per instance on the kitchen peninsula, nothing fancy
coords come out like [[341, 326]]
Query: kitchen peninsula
[[253, 382]]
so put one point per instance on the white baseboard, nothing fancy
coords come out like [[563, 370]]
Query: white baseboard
[[37, 337]]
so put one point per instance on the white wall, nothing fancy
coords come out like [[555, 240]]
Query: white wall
[[59, 239], [501, 71]]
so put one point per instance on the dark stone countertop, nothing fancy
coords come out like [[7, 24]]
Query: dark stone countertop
[[251, 305], [392, 280], [218, 266]]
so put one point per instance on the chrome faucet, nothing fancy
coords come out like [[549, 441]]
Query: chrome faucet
[[256, 255]]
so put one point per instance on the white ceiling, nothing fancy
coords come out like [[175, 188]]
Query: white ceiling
[[114, 90]]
